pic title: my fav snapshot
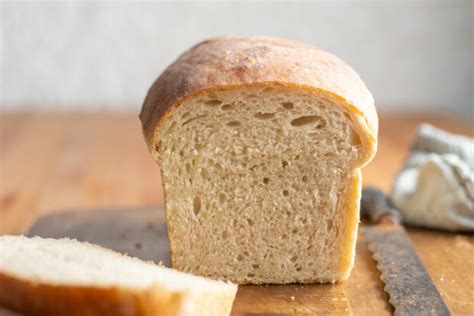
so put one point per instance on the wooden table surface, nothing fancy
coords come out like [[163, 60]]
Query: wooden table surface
[[55, 161]]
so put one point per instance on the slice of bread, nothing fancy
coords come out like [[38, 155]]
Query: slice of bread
[[66, 277], [260, 142]]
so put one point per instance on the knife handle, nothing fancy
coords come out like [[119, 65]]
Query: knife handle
[[375, 206]]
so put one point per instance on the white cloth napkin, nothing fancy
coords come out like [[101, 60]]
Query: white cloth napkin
[[435, 187]]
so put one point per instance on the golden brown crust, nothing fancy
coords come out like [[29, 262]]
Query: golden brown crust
[[36, 298], [351, 205], [234, 62]]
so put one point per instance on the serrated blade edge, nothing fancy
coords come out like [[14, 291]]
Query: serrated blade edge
[[411, 290]]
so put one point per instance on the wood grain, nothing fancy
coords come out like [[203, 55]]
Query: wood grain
[[55, 161]]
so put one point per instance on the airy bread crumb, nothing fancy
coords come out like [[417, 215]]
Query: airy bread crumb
[[260, 142], [257, 182]]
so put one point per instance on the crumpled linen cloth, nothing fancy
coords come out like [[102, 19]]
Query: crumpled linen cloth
[[435, 187]]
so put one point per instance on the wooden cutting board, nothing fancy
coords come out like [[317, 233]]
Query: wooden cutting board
[[141, 232]]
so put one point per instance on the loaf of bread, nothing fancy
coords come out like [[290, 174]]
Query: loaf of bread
[[66, 277], [260, 142]]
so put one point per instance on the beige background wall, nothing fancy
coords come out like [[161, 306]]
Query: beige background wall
[[413, 55]]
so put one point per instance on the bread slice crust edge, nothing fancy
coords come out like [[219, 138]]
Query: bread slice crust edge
[[39, 295], [38, 298]]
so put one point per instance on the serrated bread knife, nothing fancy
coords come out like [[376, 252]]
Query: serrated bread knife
[[411, 290]]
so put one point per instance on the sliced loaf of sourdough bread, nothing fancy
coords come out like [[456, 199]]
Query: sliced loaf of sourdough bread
[[66, 277], [260, 142]]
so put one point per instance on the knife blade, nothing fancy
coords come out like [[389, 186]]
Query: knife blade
[[411, 290]]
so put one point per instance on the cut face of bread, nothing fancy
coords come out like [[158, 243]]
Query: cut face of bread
[[262, 183], [66, 277]]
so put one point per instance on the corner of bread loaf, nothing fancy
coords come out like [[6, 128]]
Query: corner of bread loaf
[[39, 298]]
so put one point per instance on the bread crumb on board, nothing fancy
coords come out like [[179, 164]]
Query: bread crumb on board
[[463, 242]]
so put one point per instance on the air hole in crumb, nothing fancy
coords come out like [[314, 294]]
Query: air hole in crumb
[[227, 107], [329, 224], [309, 120], [264, 116], [266, 180], [198, 146], [225, 234], [171, 127], [305, 179], [294, 231], [188, 167], [267, 89], [185, 115], [213, 102], [299, 269], [297, 157], [250, 275], [294, 258], [354, 137], [330, 155], [234, 123], [284, 164], [222, 198], [205, 174], [255, 266], [250, 222], [285, 193], [240, 257], [193, 119], [287, 105], [284, 236], [181, 153], [196, 205]]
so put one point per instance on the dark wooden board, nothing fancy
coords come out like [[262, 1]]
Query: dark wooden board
[[139, 232]]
